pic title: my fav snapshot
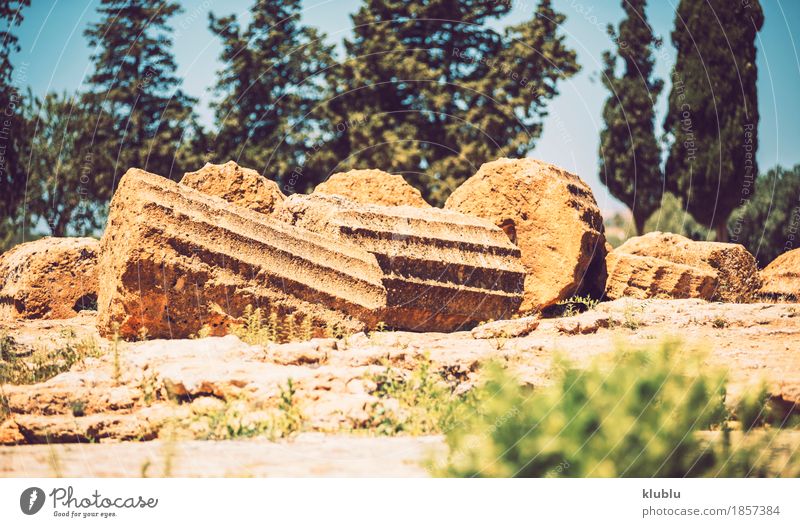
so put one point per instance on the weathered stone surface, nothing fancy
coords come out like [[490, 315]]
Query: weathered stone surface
[[49, 278], [782, 277], [583, 323], [647, 277], [442, 270], [308, 455], [553, 218], [734, 267], [374, 187], [239, 185], [506, 328], [175, 259], [145, 386]]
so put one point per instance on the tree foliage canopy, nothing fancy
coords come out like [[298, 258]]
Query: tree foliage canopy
[[713, 108], [769, 223], [428, 90], [143, 116], [629, 153], [270, 81], [12, 126]]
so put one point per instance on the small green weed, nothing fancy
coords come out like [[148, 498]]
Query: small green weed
[[43, 363], [425, 403], [257, 329], [573, 305]]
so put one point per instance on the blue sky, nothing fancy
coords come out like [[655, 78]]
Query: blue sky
[[55, 57]]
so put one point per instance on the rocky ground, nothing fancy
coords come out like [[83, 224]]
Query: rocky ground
[[154, 399]]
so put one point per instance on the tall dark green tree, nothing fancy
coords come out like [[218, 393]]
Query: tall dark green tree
[[713, 108], [429, 90], [12, 171], [143, 119], [64, 191], [629, 153], [270, 81], [769, 223]]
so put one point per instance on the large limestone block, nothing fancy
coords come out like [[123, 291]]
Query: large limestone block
[[734, 267], [374, 187], [49, 278], [175, 259], [551, 215], [644, 277], [442, 270], [239, 185], [782, 277]]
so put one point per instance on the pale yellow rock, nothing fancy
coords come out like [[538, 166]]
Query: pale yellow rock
[[551, 215], [374, 187], [50, 278], [734, 268], [239, 185], [782, 277]]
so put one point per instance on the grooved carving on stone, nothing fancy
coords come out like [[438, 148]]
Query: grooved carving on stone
[[442, 270], [175, 259], [647, 277]]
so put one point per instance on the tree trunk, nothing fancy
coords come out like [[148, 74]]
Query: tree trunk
[[721, 229], [638, 222]]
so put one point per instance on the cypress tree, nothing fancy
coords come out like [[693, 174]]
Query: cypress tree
[[270, 82], [629, 152], [143, 117], [428, 90], [713, 108]]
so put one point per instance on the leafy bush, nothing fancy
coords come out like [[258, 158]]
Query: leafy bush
[[638, 416]]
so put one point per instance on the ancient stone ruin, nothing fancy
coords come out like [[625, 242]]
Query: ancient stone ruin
[[364, 250], [734, 269], [782, 277], [242, 186], [551, 215], [374, 187], [442, 270], [174, 260], [49, 278]]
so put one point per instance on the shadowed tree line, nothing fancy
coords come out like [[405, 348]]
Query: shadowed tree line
[[708, 186], [426, 89]]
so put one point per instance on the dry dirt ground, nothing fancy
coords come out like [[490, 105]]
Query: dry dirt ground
[[139, 408]]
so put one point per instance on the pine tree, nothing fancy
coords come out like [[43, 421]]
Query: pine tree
[[270, 82], [713, 108], [428, 90], [143, 118], [629, 152], [12, 126]]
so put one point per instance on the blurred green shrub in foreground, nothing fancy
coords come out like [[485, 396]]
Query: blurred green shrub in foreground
[[643, 413]]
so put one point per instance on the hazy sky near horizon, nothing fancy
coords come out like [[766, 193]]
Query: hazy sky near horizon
[[55, 57]]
